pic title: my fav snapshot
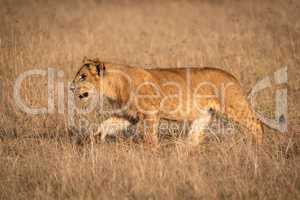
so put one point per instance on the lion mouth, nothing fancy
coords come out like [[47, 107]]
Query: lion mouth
[[83, 95]]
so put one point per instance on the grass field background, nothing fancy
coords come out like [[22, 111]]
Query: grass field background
[[250, 39]]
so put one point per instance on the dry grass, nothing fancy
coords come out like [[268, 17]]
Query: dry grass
[[251, 39]]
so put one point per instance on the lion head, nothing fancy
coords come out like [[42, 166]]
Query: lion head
[[87, 79], [99, 82]]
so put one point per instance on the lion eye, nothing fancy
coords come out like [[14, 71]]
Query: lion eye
[[82, 77]]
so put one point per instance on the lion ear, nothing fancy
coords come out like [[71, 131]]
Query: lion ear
[[100, 67], [96, 60], [85, 59]]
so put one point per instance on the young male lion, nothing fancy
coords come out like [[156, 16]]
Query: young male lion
[[148, 95]]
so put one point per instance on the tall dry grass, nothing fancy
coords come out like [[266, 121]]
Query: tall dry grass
[[251, 39]]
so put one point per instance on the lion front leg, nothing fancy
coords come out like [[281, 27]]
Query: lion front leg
[[196, 134], [148, 127]]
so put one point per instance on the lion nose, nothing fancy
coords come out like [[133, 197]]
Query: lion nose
[[83, 95]]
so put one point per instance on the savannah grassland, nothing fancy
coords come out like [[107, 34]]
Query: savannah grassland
[[250, 39]]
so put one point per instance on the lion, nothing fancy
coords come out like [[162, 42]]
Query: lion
[[145, 96]]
